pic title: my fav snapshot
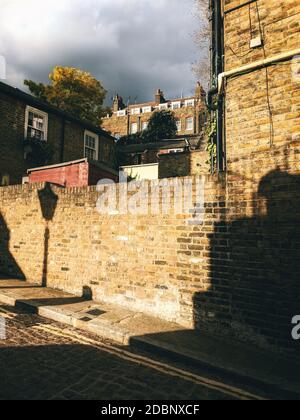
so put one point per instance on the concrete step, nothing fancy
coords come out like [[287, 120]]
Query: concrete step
[[126, 327]]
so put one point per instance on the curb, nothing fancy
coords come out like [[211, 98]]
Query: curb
[[227, 373]]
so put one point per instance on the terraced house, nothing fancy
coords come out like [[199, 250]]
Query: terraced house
[[34, 133], [190, 113]]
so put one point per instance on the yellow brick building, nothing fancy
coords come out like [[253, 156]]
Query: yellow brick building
[[190, 113]]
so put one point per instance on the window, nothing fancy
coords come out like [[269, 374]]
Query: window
[[190, 102], [147, 109], [145, 125], [134, 128], [176, 105], [121, 113], [36, 124], [163, 106], [4, 180], [189, 124], [137, 160], [91, 145], [135, 111], [178, 123], [172, 151]]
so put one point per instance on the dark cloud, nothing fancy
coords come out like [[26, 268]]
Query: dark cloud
[[132, 46]]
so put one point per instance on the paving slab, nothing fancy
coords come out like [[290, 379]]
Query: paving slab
[[152, 334]]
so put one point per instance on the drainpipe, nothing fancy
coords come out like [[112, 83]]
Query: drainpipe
[[217, 69], [219, 58]]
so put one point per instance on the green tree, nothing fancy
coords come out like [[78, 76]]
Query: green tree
[[74, 91], [162, 125]]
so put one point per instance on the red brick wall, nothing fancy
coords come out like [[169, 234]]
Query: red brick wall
[[67, 176], [77, 175]]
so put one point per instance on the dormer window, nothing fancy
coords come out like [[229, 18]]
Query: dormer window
[[36, 124], [176, 105], [163, 106], [190, 102], [135, 111], [147, 109]]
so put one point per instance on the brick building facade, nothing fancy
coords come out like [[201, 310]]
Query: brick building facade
[[254, 248], [24, 117], [190, 113], [259, 80]]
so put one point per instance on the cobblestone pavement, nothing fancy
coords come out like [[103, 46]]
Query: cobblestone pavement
[[41, 359]]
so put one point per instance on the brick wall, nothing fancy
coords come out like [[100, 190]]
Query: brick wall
[[262, 107], [237, 274], [183, 164]]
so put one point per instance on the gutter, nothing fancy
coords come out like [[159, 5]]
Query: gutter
[[255, 66]]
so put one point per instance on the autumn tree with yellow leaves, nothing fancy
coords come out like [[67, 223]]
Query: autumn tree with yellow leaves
[[74, 91]]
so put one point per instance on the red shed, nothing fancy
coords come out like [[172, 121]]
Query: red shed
[[78, 173]]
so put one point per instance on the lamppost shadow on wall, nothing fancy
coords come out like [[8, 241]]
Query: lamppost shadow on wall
[[48, 201]]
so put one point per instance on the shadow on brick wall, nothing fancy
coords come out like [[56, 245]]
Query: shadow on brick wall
[[8, 264], [48, 202], [255, 268]]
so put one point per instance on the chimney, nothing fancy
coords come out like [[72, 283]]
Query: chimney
[[200, 92], [159, 97], [118, 103]]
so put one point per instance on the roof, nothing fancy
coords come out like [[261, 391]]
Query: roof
[[153, 104], [194, 142], [74, 162], [44, 106]]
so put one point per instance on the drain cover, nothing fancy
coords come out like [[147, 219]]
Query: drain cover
[[95, 312], [85, 319]]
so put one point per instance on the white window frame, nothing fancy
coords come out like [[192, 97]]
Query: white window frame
[[190, 102], [145, 125], [96, 137], [173, 151], [147, 109], [186, 124], [121, 113], [163, 106], [179, 125], [42, 114], [137, 128], [136, 111], [176, 105]]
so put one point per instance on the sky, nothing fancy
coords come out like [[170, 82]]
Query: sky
[[133, 47]]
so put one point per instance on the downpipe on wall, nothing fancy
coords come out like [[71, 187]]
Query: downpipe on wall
[[217, 69]]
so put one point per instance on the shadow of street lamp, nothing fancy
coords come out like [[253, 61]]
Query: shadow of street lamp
[[48, 202]]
